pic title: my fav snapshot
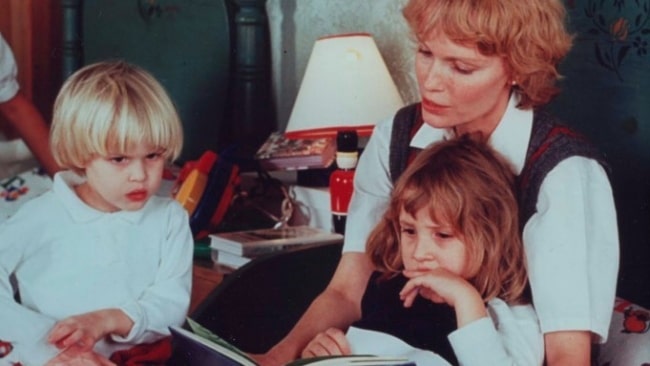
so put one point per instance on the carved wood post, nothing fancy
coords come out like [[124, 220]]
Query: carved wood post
[[72, 51], [251, 115]]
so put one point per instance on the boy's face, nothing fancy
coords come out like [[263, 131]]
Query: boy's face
[[123, 181]]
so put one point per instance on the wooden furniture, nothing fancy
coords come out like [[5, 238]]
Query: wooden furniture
[[32, 29], [212, 57], [205, 278]]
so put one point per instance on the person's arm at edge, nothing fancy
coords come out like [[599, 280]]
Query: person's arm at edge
[[31, 126], [343, 293], [568, 348]]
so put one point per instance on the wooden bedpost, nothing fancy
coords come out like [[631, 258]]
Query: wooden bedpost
[[250, 113], [72, 51]]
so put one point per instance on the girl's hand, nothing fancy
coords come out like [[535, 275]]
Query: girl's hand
[[442, 286], [331, 342], [75, 356], [438, 285], [84, 330]]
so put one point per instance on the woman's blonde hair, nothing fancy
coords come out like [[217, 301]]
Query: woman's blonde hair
[[106, 107], [530, 35], [465, 184]]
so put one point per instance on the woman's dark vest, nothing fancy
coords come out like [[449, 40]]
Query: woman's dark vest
[[550, 143]]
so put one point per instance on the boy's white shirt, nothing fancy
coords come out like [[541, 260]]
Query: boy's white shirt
[[570, 296], [71, 259]]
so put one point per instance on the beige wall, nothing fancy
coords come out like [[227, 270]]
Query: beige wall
[[296, 24]]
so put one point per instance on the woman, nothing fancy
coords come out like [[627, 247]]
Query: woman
[[489, 66]]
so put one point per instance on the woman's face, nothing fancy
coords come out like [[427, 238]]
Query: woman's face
[[460, 87]]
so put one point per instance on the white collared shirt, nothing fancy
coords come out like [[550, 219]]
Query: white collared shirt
[[571, 242], [69, 259]]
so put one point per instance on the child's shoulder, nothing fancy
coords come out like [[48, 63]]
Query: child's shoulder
[[166, 205]]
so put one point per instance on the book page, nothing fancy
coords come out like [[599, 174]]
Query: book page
[[217, 341], [363, 341]]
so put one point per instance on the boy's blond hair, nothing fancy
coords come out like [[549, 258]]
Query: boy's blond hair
[[530, 35], [107, 107], [463, 183]]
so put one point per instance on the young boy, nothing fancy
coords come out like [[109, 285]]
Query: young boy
[[100, 263]]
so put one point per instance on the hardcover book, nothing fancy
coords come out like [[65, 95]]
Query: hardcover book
[[200, 347], [252, 243], [280, 153]]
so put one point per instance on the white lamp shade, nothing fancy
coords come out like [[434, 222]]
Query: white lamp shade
[[346, 86]]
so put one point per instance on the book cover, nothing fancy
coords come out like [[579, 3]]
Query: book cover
[[252, 243], [280, 153], [200, 347]]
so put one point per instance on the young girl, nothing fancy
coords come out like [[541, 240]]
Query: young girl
[[100, 262], [452, 231]]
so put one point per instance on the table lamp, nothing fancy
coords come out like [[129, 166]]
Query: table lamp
[[346, 86]]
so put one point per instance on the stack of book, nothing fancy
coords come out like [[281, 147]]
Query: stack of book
[[234, 249]]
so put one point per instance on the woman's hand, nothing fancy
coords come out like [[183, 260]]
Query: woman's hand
[[76, 356], [331, 342], [442, 286], [84, 330]]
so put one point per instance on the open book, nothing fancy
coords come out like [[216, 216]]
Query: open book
[[200, 347]]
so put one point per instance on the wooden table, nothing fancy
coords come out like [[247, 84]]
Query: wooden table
[[205, 277]]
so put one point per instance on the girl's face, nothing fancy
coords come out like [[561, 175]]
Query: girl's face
[[122, 181], [460, 87], [426, 245]]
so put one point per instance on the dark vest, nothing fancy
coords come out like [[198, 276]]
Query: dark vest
[[551, 142]]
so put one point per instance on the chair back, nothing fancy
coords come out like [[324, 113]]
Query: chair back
[[257, 305]]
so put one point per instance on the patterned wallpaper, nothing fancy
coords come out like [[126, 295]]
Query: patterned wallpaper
[[296, 24], [605, 94]]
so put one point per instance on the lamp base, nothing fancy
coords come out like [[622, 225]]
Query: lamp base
[[315, 177], [339, 223]]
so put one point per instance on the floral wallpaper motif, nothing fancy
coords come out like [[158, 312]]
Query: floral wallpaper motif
[[621, 29], [605, 95]]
